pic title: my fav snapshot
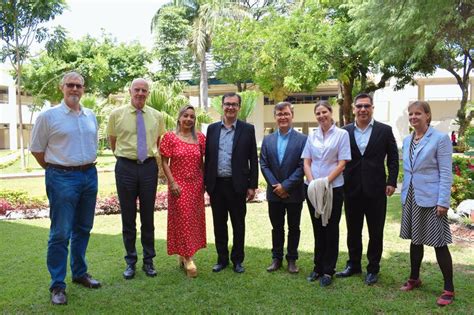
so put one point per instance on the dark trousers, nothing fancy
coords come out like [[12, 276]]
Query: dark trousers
[[224, 202], [374, 210], [277, 211], [137, 181], [326, 238]]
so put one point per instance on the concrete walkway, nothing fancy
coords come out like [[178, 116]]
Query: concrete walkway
[[10, 157], [41, 173]]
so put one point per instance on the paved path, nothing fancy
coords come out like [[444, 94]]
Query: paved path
[[10, 157], [41, 174]]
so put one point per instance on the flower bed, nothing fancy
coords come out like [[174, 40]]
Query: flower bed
[[17, 204]]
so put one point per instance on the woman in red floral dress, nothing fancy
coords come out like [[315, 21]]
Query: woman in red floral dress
[[182, 154]]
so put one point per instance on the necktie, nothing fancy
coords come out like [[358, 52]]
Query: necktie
[[141, 137]]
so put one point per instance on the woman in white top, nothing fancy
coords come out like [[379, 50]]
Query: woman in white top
[[325, 155]]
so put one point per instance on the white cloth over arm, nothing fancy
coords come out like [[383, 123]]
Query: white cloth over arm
[[320, 196]]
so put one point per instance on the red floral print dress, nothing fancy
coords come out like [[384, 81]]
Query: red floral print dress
[[186, 216]]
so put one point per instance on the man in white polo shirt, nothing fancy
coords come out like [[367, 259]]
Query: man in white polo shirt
[[64, 142]]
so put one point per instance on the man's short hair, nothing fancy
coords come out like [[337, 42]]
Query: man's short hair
[[231, 94], [72, 74], [281, 106], [364, 95]]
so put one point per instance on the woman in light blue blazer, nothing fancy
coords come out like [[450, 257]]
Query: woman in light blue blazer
[[426, 191]]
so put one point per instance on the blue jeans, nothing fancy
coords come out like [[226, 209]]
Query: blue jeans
[[72, 198]]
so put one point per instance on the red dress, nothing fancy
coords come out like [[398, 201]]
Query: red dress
[[186, 216]]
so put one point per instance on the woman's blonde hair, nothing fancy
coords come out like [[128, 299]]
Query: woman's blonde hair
[[424, 106]]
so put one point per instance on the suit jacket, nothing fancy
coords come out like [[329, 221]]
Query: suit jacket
[[290, 172], [431, 174], [244, 157], [365, 174]]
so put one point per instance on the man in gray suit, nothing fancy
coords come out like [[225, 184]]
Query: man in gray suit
[[282, 167]]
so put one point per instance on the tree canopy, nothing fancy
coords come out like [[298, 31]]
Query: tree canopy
[[21, 24], [420, 36], [107, 67]]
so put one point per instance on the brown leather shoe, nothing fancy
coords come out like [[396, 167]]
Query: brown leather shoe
[[87, 281], [292, 268], [58, 296], [276, 264]]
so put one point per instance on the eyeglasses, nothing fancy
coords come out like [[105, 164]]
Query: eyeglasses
[[74, 85], [360, 106], [138, 90], [231, 104], [279, 115]]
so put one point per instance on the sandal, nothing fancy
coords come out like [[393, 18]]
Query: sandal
[[446, 298], [190, 267], [411, 284]]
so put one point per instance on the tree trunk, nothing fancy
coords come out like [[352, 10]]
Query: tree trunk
[[203, 85], [347, 87], [340, 102], [239, 86], [20, 115], [464, 118]]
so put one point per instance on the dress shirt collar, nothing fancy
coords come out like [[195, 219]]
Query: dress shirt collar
[[234, 124], [319, 130], [371, 124], [66, 109], [286, 134], [133, 109]]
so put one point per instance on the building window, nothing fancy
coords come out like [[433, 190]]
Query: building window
[[301, 99], [3, 95]]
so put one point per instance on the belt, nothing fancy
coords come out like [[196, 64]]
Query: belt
[[84, 167], [137, 161]]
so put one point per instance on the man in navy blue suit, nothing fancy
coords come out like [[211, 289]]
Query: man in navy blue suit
[[282, 167], [231, 177]]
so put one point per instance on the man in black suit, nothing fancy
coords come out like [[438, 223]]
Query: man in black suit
[[231, 177], [282, 167], [366, 186]]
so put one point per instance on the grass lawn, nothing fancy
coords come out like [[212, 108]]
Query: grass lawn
[[24, 278], [35, 186], [105, 160]]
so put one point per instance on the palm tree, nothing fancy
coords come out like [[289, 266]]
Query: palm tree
[[248, 104], [204, 15], [168, 99]]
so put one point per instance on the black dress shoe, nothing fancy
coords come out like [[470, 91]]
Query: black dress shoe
[[349, 271], [325, 280], [239, 268], [313, 276], [149, 270], [292, 267], [276, 264], [371, 278], [87, 281], [129, 273], [58, 296], [218, 267]]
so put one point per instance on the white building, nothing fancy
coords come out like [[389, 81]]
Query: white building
[[9, 121]]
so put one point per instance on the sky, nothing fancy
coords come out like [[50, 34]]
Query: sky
[[127, 20]]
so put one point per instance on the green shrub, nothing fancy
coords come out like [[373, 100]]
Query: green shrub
[[14, 196], [463, 180], [19, 200]]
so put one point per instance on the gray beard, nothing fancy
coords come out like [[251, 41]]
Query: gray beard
[[74, 99]]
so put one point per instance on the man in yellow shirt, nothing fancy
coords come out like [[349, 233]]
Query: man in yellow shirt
[[134, 132]]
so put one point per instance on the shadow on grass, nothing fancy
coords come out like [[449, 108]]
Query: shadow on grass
[[24, 283]]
